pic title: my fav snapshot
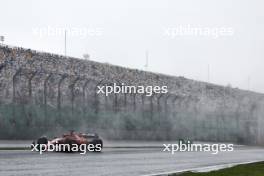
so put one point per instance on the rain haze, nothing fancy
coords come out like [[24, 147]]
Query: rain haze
[[131, 87], [125, 33]]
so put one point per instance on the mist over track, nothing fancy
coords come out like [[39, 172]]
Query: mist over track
[[119, 159]]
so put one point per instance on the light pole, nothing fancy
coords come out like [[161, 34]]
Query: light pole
[[249, 83], [208, 73], [65, 43], [147, 57]]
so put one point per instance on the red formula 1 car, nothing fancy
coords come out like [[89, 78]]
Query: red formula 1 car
[[92, 142]]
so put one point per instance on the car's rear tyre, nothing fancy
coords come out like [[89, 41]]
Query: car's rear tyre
[[97, 142], [42, 140]]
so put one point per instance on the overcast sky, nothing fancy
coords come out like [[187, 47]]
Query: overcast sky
[[121, 31]]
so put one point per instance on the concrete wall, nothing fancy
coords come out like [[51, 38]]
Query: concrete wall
[[42, 93]]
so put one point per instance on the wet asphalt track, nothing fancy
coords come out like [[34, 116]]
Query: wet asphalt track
[[117, 161]]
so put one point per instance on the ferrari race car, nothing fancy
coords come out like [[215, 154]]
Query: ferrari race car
[[69, 142]]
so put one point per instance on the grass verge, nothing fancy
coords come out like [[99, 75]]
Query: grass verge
[[253, 169]]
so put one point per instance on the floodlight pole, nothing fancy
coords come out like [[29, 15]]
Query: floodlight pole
[[208, 73], [249, 83], [65, 43], [146, 55]]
